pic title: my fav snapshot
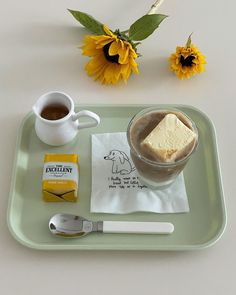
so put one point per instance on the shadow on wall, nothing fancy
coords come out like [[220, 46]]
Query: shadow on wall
[[54, 35], [47, 54]]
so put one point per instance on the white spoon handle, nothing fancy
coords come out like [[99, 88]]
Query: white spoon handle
[[133, 227]]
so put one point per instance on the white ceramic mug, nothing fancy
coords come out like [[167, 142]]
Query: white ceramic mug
[[60, 131]]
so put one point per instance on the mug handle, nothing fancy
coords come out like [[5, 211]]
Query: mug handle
[[95, 119]]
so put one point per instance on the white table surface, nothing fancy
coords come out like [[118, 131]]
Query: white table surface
[[38, 53]]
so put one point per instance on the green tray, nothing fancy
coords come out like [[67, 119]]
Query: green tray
[[28, 214]]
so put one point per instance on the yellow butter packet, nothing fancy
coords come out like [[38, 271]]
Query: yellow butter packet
[[60, 178]]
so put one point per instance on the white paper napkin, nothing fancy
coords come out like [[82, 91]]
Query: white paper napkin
[[115, 184]]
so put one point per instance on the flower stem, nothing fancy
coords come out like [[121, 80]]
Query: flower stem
[[152, 10], [155, 6]]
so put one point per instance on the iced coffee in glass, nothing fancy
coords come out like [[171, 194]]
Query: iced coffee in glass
[[161, 143]]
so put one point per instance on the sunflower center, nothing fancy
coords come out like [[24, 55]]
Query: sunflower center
[[111, 58], [188, 61]]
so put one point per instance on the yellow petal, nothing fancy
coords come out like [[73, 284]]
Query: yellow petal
[[109, 32], [102, 42], [94, 65], [89, 48], [123, 55], [125, 71], [114, 47], [117, 71], [89, 51], [108, 73], [132, 51], [134, 66]]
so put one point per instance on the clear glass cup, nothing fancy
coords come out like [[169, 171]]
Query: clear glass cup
[[153, 173]]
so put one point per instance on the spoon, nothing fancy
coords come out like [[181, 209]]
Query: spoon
[[73, 226]]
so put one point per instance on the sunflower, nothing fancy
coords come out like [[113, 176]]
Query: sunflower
[[113, 59], [187, 61]]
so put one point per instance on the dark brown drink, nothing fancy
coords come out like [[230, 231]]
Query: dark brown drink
[[54, 111], [152, 171]]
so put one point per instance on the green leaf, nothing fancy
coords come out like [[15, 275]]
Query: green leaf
[[145, 26], [88, 22], [188, 44]]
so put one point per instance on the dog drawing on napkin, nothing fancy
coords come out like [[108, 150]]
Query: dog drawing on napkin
[[120, 162]]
